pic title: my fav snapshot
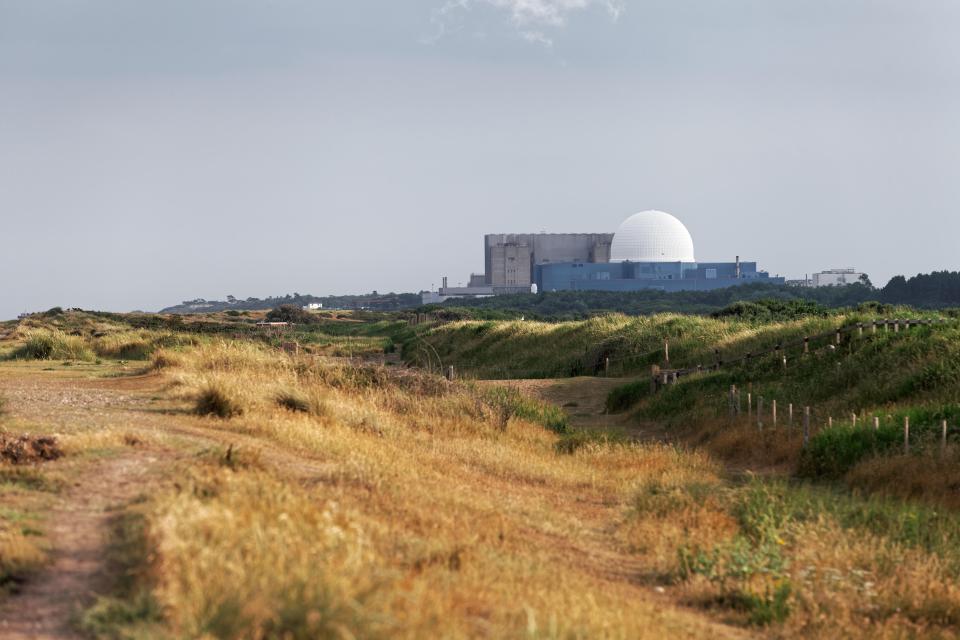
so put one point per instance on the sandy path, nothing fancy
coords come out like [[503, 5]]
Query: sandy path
[[77, 530]]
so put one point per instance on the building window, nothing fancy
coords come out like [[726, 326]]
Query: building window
[[711, 274]]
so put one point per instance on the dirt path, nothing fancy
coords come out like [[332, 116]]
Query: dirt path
[[77, 530], [77, 525]]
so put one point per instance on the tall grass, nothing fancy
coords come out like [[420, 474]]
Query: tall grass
[[44, 344]]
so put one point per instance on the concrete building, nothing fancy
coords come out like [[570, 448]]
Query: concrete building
[[650, 250], [511, 258], [835, 278]]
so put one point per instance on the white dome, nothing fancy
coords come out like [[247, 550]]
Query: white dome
[[652, 236]]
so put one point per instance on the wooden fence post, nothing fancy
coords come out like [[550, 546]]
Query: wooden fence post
[[859, 329], [790, 414], [666, 351], [716, 352], [838, 337], [806, 345], [943, 438], [759, 412], [873, 328], [806, 426], [749, 405], [450, 372], [773, 413], [896, 326], [829, 421], [876, 423], [906, 434], [853, 419], [732, 400], [606, 367]]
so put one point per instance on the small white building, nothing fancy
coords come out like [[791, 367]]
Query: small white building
[[836, 278], [313, 306]]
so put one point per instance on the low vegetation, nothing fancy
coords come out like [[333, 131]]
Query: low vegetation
[[353, 498]]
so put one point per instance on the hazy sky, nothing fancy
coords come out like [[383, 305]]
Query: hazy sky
[[152, 152]]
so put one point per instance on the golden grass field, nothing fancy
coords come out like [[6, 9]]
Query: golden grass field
[[318, 498]]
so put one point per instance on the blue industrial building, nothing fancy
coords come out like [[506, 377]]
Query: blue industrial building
[[631, 276], [650, 250]]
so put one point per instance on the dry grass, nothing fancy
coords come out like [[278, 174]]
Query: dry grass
[[427, 513], [430, 517]]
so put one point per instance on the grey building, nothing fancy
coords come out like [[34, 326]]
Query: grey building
[[510, 259]]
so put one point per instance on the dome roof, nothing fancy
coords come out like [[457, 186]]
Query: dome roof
[[652, 236]]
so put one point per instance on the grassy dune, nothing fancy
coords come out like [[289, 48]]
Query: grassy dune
[[528, 349]]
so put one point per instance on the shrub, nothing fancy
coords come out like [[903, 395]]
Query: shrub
[[833, 452], [291, 313]]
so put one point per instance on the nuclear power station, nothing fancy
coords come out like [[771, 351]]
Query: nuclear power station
[[650, 250]]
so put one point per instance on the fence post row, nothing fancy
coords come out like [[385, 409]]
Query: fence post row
[[778, 349]]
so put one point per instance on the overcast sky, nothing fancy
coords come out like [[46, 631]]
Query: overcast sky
[[152, 152]]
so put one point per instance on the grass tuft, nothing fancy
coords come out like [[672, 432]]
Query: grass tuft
[[218, 398], [45, 344]]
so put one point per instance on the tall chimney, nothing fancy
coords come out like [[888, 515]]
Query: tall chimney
[[444, 282], [738, 267]]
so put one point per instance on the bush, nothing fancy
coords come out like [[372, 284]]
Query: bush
[[833, 452], [291, 313], [770, 309]]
